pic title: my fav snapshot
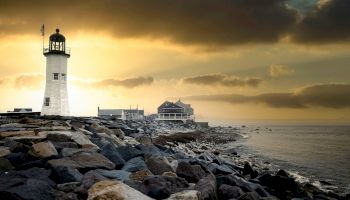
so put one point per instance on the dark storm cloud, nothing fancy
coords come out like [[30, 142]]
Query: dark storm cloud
[[223, 80], [210, 23], [129, 83], [203, 22], [328, 23], [325, 95]]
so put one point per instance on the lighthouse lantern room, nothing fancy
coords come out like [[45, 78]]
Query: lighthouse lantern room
[[56, 94]]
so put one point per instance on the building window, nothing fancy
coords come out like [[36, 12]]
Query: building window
[[64, 77], [55, 76], [47, 101]]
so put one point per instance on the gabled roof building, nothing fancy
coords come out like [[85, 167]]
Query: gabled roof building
[[178, 111]]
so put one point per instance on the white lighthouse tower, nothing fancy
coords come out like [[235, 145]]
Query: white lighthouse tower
[[56, 95]]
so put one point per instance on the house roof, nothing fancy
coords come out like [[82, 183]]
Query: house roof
[[169, 105]]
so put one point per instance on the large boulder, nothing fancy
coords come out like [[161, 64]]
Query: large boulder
[[158, 165], [119, 175], [207, 187], [110, 151], [128, 152], [83, 140], [32, 184], [282, 186], [59, 136], [16, 146], [84, 160], [192, 173], [114, 190], [160, 187], [135, 164], [64, 174], [89, 178], [43, 150], [229, 192], [66, 152], [5, 164], [219, 169]]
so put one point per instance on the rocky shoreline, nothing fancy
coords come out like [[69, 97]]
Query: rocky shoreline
[[71, 158]]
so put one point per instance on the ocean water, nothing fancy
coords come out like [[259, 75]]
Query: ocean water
[[311, 153]]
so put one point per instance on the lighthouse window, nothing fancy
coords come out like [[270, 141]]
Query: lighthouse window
[[64, 77], [55, 76], [47, 101]]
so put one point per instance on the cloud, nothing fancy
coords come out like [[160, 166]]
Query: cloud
[[128, 83], [187, 22], [223, 80], [323, 95], [29, 81], [280, 70], [329, 22]]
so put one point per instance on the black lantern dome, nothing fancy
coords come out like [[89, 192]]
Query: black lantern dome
[[57, 37], [57, 44]]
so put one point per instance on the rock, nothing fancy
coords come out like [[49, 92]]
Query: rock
[[5, 164], [282, 186], [140, 175], [282, 172], [185, 195], [207, 187], [28, 139], [247, 170], [83, 140], [4, 151], [83, 160], [89, 178], [119, 175], [59, 136], [110, 151], [35, 173], [43, 150], [128, 152], [16, 146], [16, 134], [169, 174], [68, 187], [16, 159], [70, 151], [64, 174], [135, 164], [151, 150], [143, 139], [114, 190], [92, 160], [219, 169], [229, 192], [25, 189], [158, 165], [249, 196], [160, 187], [28, 184], [192, 173], [119, 133], [65, 196], [61, 145]]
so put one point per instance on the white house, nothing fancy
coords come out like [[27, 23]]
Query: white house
[[56, 95], [178, 111]]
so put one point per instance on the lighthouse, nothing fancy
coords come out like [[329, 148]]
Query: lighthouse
[[56, 94]]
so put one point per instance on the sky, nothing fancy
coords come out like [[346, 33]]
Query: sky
[[232, 60]]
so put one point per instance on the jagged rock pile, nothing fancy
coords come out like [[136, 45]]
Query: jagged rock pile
[[88, 158]]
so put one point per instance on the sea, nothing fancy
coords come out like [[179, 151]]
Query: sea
[[319, 154]]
